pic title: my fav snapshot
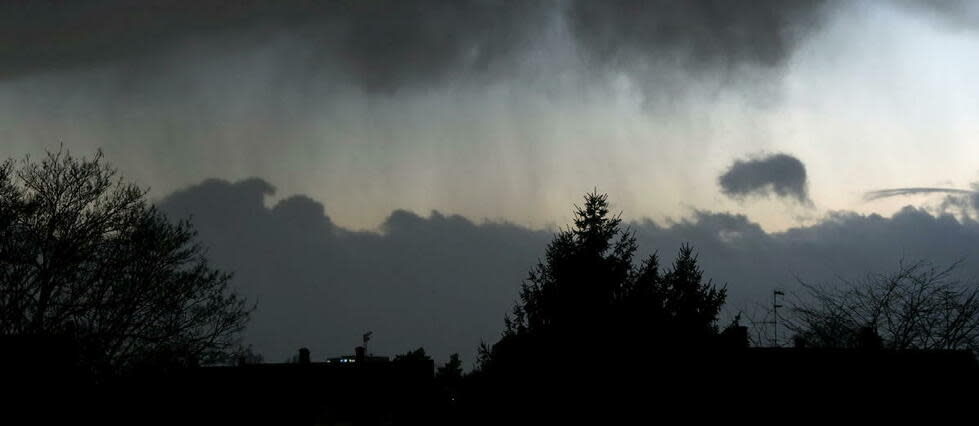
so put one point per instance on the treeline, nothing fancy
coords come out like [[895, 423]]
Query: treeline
[[89, 268]]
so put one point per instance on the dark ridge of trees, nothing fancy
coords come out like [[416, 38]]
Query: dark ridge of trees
[[415, 355], [85, 259], [919, 306]]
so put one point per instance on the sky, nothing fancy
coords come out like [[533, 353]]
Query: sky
[[398, 166]]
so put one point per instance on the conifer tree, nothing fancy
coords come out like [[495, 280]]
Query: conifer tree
[[589, 292]]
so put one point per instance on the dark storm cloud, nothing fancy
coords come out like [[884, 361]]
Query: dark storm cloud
[[444, 282], [780, 174], [386, 45], [710, 33]]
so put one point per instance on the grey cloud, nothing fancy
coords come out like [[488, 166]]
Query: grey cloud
[[894, 192], [780, 174], [961, 201], [440, 281], [444, 282], [386, 45], [843, 245], [710, 33], [960, 13], [966, 204]]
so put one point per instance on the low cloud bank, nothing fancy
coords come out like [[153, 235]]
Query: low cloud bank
[[444, 281]]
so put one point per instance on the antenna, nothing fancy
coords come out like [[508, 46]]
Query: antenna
[[775, 306], [774, 322], [366, 336]]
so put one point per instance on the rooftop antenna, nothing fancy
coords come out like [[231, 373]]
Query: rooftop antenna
[[774, 322], [775, 294], [362, 349]]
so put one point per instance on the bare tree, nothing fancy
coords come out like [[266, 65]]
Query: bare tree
[[83, 256], [919, 306]]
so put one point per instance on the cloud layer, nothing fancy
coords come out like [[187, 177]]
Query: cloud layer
[[494, 108], [781, 175], [444, 282], [387, 45]]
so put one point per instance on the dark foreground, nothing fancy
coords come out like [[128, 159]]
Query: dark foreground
[[590, 388]]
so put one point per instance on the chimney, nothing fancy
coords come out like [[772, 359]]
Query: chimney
[[303, 356], [361, 354], [735, 337]]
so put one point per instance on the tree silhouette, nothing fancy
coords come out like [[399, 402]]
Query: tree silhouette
[[587, 268], [918, 306], [451, 372], [691, 306], [411, 356], [589, 289], [449, 379], [83, 256], [585, 309]]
